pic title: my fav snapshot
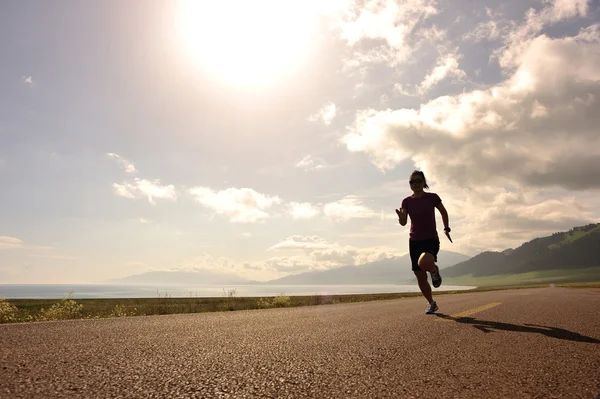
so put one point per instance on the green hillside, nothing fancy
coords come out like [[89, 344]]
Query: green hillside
[[538, 277], [556, 257]]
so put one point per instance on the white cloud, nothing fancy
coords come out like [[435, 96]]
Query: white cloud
[[242, 205], [350, 207], [311, 163], [493, 29], [140, 188], [123, 190], [490, 133], [565, 9], [446, 67], [309, 243], [269, 268], [538, 110], [517, 37], [403, 89], [288, 265], [318, 254], [303, 254], [302, 210], [126, 165], [387, 20], [10, 242], [494, 218], [326, 114], [517, 40]]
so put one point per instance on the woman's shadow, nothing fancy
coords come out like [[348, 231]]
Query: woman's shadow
[[554, 332]]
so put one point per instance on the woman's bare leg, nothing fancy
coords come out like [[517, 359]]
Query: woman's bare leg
[[424, 285], [427, 262]]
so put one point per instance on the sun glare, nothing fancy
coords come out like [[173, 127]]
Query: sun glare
[[246, 42]]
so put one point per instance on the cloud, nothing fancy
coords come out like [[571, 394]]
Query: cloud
[[493, 29], [312, 253], [495, 218], [287, 265], [27, 80], [205, 261], [565, 9], [126, 165], [518, 39], [302, 210], [10, 242], [326, 114], [140, 188], [388, 21], [538, 110], [240, 205], [272, 267], [446, 67], [318, 254], [350, 207], [310, 163], [309, 243], [539, 127]]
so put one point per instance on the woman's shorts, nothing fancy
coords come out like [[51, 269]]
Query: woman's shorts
[[417, 247]]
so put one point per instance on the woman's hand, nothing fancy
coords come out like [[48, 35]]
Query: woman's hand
[[402, 216], [448, 234]]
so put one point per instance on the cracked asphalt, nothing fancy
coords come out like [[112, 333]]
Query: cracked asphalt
[[530, 343]]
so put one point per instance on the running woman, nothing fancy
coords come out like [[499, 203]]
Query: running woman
[[424, 242]]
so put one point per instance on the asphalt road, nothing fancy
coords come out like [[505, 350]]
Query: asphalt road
[[533, 343]]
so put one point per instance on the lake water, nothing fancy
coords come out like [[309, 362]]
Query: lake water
[[81, 291]]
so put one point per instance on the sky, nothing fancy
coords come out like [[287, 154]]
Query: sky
[[270, 138]]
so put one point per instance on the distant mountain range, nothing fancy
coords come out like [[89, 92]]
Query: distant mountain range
[[394, 270], [191, 278], [575, 249]]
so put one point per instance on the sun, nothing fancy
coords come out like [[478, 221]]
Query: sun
[[246, 42]]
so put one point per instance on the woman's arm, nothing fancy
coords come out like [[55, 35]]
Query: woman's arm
[[444, 214]]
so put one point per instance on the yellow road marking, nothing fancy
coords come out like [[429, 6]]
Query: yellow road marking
[[469, 312]]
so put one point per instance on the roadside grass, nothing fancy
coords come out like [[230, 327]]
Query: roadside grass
[[580, 285], [39, 310], [26, 310], [531, 278]]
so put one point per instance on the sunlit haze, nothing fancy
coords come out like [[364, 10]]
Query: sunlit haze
[[267, 138], [246, 42]]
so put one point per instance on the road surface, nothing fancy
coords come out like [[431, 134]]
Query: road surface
[[531, 343]]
